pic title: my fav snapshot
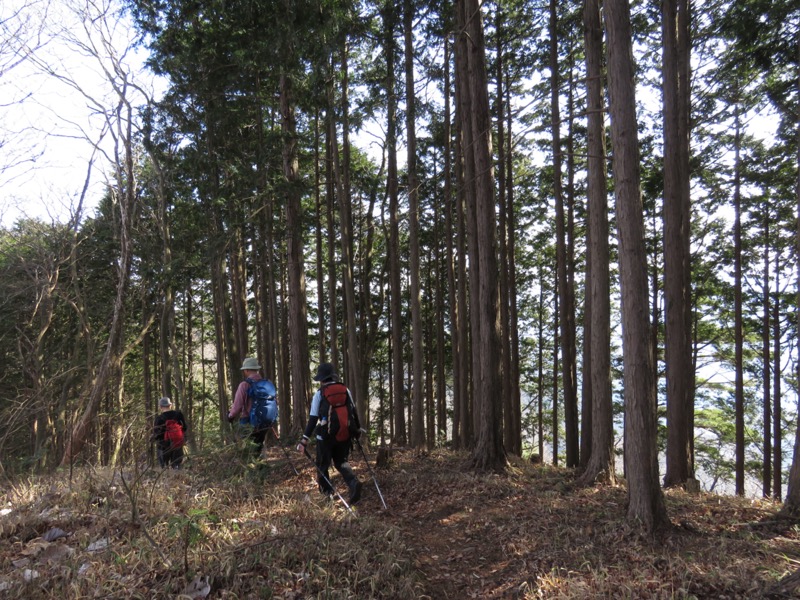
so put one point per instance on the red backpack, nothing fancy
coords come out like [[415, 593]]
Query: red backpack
[[173, 433], [342, 424]]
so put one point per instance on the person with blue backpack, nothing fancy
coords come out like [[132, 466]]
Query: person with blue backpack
[[254, 404], [334, 422]]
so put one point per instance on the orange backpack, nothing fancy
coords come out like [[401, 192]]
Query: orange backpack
[[342, 424]]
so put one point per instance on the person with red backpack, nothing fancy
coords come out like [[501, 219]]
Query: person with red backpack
[[169, 433], [334, 420]]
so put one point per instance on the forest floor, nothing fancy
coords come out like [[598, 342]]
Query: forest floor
[[228, 527]]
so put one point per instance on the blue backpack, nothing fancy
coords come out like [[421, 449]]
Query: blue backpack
[[264, 408]]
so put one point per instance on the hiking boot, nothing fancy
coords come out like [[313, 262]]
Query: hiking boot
[[355, 491]]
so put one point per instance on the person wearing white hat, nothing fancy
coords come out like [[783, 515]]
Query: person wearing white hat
[[243, 402]]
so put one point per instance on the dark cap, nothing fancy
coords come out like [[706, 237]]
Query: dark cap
[[325, 371]]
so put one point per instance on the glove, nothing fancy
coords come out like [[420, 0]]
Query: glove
[[231, 418], [301, 447]]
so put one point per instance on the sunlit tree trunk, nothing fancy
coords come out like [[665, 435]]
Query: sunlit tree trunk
[[738, 334], [777, 435], [395, 287], [488, 452], [677, 257], [119, 119], [791, 505], [300, 383], [513, 313], [600, 465], [766, 467], [566, 304], [341, 168], [417, 343], [645, 499], [450, 234]]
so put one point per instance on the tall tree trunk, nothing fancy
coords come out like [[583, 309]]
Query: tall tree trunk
[[791, 505], [322, 347], [677, 258], [351, 333], [170, 358], [467, 235], [395, 286], [601, 462], [777, 435], [577, 443], [502, 189], [221, 327], [512, 439], [330, 193], [296, 291], [417, 343], [468, 143], [645, 499], [565, 318], [264, 283], [540, 368], [556, 345], [450, 234], [238, 276], [342, 177], [124, 199], [738, 335], [438, 322], [766, 467], [488, 453], [516, 395], [467, 431]]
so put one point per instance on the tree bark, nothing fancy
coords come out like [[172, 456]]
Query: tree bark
[[645, 499], [511, 227], [395, 287], [566, 316], [791, 505], [766, 465], [677, 235], [777, 435], [417, 342], [738, 334], [121, 122], [601, 463], [296, 291], [488, 453]]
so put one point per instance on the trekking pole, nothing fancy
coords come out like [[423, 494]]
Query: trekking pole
[[328, 481], [286, 452], [371, 472]]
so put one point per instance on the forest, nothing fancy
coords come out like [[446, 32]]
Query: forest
[[559, 232]]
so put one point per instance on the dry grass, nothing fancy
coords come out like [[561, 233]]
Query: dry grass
[[226, 528]]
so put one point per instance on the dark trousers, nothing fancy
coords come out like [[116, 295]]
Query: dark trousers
[[259, 435], [169, 456], [338, 453], [256, 435]]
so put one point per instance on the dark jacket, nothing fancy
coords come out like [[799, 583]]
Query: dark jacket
[[160, 425]]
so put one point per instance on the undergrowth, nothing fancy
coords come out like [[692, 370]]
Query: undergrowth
[[229, 526]]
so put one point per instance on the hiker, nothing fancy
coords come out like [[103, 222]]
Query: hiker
[[169, 433], [334, 420], [254, 404]]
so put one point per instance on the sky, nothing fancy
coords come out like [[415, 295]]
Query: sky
[[52, 105], [49, 117]]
